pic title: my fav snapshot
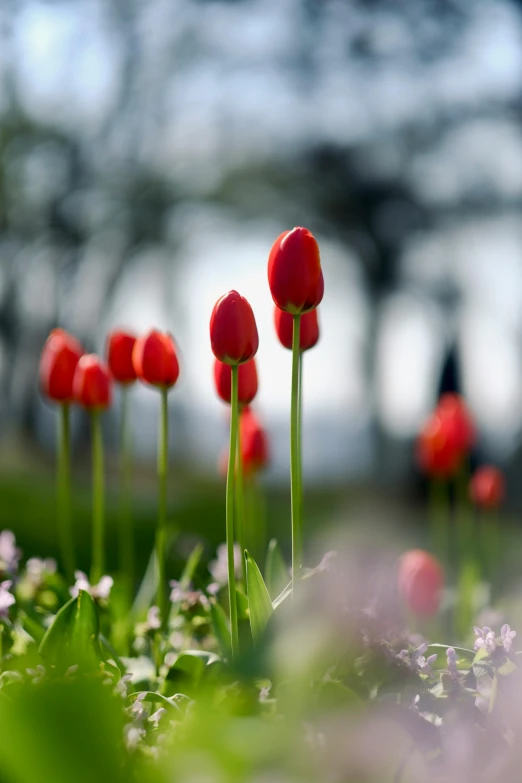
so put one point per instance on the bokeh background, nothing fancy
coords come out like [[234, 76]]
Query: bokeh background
[[150, 152]]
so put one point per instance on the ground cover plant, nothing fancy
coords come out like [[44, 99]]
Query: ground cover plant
[[362, 666]]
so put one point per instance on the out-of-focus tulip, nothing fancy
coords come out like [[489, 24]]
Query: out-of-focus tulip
[[453, 409], [308, 332], [154, 359], [247, 381], [92, 383], [487, 487], [420, 581], [437, 451], [254, 443], [120, 345], [295, 276], [233, 331], [60, 355]]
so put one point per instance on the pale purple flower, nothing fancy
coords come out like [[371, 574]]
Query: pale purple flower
[[219, 567], [485, 639], [37, 569], [7, 599], [451, 657], [9, 553], [153, 620], [506, 637], [100, 591], [417, 660], [157, 716]]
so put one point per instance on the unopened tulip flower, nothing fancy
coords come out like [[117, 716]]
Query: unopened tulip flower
[[92, 389], [120, 345], [487, 487], [247, 381], [295, 276], [155, 360], [438, 451], [454, 411], [308, 331], [60, 356], [233, 330], [420, 582], [156, 363], [254, 443], [92, 383]]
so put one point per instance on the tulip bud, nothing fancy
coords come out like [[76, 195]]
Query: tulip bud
[[308, 332], [454, 410], [92, 383], [60, 355], [155, 360], [247, 381], [420, 580], [254, 442], [438, 452], [120, 345], [294, 271], [233, 330], [487, 487]]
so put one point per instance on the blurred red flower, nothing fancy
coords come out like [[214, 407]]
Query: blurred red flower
[[233, 330], [308, 332], [454, 410], [60, 355], [120, 345], [155, 360], [254, 442], [420, 581], [487, 487], [92, 383], [247, 381], [294, 271]]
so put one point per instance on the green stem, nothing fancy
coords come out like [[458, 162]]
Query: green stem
[[240, 505], [64, 494], [126, 544], [295, 456], [230, 512], [161, 532], [439, 517], [300, 547], [98, 511]]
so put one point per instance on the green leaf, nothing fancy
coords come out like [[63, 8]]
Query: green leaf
[[191, 565], [282, 596], [190, 665], [259, 603], [152, 696], [481, 666], [276, 571], [221, 627], [73, 636]]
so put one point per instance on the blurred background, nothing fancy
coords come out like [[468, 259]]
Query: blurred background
[[151, 152]]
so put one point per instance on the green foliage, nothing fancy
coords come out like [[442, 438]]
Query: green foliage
[[259, 603], [73, 637]]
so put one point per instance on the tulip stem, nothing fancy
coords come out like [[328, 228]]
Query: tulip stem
[[98, 511], [64, 493], [240, 505], [439, 517], [125, 516], [295, 457], [230, 511], [161, 532]]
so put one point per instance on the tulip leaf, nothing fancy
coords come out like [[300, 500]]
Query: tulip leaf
[[73, 636], [259, 603], [276, 571]]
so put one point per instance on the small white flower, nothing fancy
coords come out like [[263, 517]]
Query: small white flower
[[156, 716], [506, 637], [7, 599], [219, 567], [133, 735], [9, 553], [100, 591]]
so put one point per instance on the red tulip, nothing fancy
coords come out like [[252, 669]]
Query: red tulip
[[60, 355], [308, 332], [155, 360], [247, 381], [487, 487], [254, 442], [438, 453], [421, 580], [120, 345], [294, 271], [92, 383], [454, 410], [233, 330]]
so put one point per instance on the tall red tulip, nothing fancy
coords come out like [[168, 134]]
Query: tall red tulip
[[453, 409], [120, 345], [420, 581], [438, 452], [92, 383], [233, 331], [60, 355], [487, 487], [247, 381], [308, 329], [294, 271], [155, 360]]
